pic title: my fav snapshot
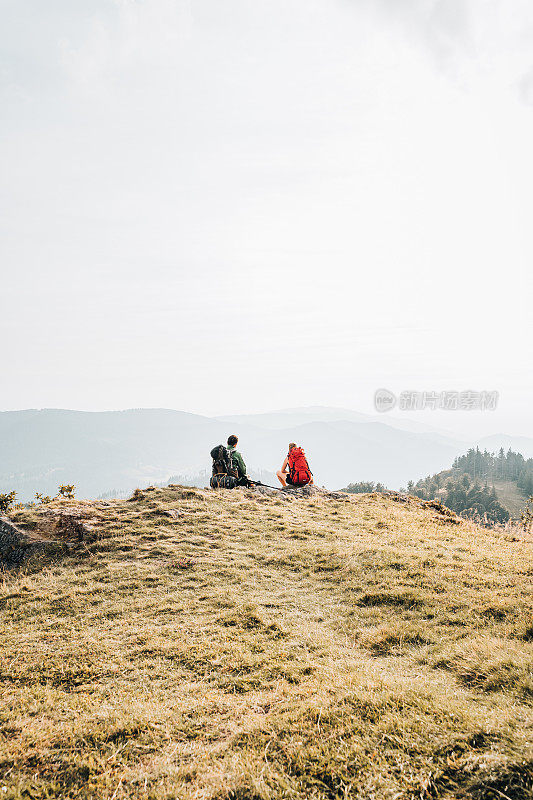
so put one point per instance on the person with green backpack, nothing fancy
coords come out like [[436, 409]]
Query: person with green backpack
[[229, 469], [238, 462]]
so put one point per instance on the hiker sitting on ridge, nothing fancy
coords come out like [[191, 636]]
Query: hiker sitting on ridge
[[238, 462], [298, 473], [223, 473]]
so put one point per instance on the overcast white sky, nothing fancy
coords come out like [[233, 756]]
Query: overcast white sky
[[242, 205]]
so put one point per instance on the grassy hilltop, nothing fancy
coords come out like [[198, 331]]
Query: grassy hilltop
[[238, 646]]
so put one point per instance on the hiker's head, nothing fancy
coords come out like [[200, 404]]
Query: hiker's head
[[291, 446], [232, 440]]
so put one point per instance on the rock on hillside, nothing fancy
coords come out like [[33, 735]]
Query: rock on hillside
[[246, 644]]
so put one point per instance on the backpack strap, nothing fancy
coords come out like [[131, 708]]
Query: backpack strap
[[232, 469], [291, 468]]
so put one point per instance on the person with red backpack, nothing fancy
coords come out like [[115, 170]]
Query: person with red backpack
[[295, 469]]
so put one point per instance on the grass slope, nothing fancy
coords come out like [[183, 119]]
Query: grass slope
[[511, 497], [257, 647]]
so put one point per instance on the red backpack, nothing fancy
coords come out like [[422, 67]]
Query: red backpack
[[298, 467]]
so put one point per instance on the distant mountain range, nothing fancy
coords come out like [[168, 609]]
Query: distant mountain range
[[119, 450]]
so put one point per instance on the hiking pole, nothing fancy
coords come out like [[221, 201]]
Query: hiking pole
[[266, 485]]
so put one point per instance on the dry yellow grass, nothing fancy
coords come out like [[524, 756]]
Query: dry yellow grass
[[256, 647]]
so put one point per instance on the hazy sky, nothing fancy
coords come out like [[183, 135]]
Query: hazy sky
[[242, 205]]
